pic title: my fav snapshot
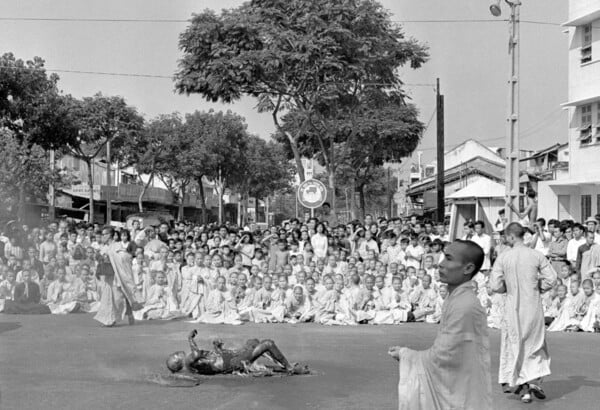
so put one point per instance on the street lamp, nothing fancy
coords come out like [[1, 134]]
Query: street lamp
[[512, 120]]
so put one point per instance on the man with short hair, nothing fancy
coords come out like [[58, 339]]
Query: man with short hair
[[575, 242], [522, 273], [485, 241], [455, 372], [327, 215]]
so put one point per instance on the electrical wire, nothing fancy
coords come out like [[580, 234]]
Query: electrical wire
[[106, 73]]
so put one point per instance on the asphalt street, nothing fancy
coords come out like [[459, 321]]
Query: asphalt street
[[70, 362]]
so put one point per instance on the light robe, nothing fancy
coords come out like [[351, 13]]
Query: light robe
[[394, 309], [261, 304], [496, 313], [521, 272], [61, 299], [220, 309], [593, 311], [121, 287], [567, 315], [193, 291], [455, 372], [156, 305]]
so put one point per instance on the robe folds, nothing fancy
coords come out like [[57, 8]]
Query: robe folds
[[522, 273], [455, 372]]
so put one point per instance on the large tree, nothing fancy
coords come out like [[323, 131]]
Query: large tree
[[216, 143], [147, 151], [101, 120], [266, 171], [25, 174], [309, 56]]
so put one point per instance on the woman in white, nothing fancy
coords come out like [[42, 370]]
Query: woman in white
[[319, 242]]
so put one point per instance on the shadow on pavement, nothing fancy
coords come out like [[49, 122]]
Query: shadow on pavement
[[8, 326], [556, 389]]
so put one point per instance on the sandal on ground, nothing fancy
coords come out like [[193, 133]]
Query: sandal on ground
[[537, 391]]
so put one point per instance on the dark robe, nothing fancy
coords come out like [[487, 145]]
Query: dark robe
[[26, 303]]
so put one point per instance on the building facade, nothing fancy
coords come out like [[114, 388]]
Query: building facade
[[576, 194]]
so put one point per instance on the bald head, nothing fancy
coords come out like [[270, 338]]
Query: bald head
[[515, 229], [470, 253]]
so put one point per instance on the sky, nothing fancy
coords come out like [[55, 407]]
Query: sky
[[470, 59]]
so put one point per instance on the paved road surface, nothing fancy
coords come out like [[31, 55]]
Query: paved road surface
[[68, 362]]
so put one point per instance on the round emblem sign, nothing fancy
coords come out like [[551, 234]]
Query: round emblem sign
[[312, 193]]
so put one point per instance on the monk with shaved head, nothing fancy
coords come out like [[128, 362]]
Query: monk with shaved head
[[455, 372], [523, 274]]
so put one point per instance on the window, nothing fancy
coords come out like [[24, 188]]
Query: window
[[585, 130], [586, 44], [586, 207]]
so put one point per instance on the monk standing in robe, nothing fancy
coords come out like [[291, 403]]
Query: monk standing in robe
[[522, 273], [455, 372]]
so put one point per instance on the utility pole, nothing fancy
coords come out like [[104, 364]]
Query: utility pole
[[512, 121], [440, 154], [512, 136], [51, 193], [108, 192], [220, 191]]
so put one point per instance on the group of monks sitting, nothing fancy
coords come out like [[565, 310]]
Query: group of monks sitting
[[66, 290], [209, 293], [385, 281]]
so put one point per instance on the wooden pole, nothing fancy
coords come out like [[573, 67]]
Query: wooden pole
[[440, 154]]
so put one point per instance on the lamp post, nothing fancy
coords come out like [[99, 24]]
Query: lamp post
[[512, 120]]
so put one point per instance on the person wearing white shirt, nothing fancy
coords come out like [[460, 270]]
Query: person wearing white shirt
[[485, 241], [574, 243]]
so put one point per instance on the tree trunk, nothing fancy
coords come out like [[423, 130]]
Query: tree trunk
[[203, 201], [297, 156], [353, 199], [144, 189], [332, 189], [246, 204], [21, 207], [181, 203], [363, 206], [91, 187], [220, 190]]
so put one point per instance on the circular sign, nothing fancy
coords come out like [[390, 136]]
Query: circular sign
[[312, 193]]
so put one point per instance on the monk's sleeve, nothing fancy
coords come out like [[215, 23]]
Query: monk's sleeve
[[547, 277], [497, 276]]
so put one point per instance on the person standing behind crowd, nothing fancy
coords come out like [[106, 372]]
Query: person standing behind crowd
[[574, 243], [319, 241], [557, 251], [485, 241], [522, 273]]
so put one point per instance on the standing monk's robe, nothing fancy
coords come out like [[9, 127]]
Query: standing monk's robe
[[118, 287], [455, 372], [521, 272]]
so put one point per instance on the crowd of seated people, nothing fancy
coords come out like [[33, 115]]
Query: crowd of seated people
[[380, 272]]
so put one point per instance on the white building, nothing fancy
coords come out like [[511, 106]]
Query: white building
[[577, 196]]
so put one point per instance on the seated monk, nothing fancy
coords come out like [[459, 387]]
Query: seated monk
[[224, 361], [26, 298], [61, 299]]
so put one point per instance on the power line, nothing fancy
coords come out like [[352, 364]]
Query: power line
[[93, 20], [179, 21], [107, 73]]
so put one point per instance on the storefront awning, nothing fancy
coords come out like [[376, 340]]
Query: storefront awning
[[583, 20], [581, 101]]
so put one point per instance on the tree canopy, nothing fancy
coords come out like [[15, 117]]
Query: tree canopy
[[315, 63]]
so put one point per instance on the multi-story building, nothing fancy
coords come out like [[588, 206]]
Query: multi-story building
[[465, 164], [124, 189], [577, 195]]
